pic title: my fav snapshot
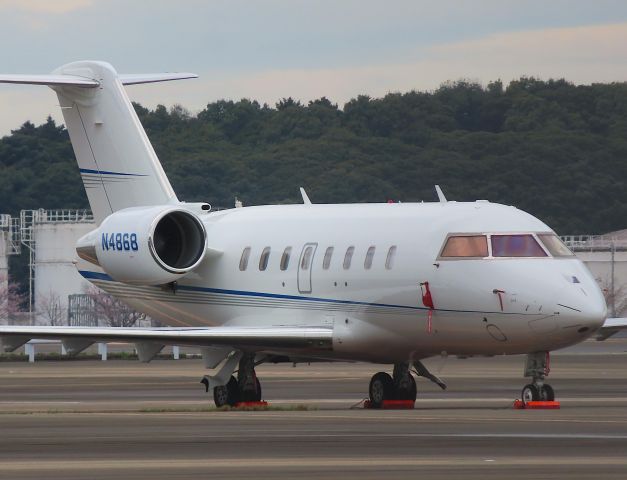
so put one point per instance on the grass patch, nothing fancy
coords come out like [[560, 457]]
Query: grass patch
[[226, 408], [155, 410]]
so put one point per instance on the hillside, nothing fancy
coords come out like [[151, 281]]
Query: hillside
[[552, 148]]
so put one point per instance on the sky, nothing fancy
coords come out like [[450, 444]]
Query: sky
[[269, 49]]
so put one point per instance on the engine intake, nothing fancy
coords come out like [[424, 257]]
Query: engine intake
[[146, 245], [178, 241]]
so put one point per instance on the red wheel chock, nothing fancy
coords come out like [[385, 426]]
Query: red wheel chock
[[520, 405], [393, 404]]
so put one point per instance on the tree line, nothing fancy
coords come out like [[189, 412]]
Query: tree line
[[552, 148]]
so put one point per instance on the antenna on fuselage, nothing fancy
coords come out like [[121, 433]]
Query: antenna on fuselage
[[303, 193], [441, 196]]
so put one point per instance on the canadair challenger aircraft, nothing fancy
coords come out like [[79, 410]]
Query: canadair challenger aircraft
[[382, 283]]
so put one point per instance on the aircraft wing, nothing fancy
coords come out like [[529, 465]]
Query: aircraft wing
[[76, 339], [611, 327]]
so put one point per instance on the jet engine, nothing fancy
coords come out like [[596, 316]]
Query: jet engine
[[146, 245]]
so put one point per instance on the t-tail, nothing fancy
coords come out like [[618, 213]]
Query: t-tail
[[118, 165]]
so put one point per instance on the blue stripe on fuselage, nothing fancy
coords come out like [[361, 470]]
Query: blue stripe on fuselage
[[244, 293], [104, 277]]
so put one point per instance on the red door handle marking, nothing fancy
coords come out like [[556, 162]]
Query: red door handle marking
[[500, 294], [427, 301]]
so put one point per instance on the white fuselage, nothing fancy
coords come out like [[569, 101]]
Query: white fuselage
[[481, 306]]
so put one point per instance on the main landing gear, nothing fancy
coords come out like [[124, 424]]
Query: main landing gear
[[537, 367], [400, 386], [244, 388]]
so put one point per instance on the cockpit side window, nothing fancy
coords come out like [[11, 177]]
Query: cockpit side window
[[469, 246], [554, 245], [523, 245]]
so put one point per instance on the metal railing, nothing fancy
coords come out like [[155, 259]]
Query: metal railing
[[595, 243], [62, 216], [11, 228]]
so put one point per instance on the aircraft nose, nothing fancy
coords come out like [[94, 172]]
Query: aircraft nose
[[583, 305], [594, 312]]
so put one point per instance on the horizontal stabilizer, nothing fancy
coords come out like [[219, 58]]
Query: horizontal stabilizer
[[134, 79], [54, 80], [76, 81]]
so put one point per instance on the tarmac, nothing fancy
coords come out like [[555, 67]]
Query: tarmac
[[124, 419]]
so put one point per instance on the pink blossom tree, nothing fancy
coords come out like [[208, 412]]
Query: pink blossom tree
[[11, 299], [113, 311], [51, 308]]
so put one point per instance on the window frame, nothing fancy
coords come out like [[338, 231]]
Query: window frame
[[546, 248], [286, 256], [547, 254], [368, 260], [306, 259], [348, 257], [244, 259], [328, 256], [264, 259], [464, 234], [488, 236], [389, 258]]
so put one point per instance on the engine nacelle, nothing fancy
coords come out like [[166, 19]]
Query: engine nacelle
[[146, 245]]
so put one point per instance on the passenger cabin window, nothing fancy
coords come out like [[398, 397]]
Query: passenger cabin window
[[243, 261], [475, 246], [348, 257], [326, 262], [389, 260], [524, 245], [285, 258], [305, 261], [369, 258], [263, 260], [554, 245]]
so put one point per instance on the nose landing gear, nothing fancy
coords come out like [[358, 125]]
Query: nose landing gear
[[537, 367]]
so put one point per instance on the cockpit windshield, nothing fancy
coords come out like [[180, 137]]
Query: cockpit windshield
[[516, 246], [554, 245], [503, 245], [466, 246]]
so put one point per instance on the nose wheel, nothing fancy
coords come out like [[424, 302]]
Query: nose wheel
[[535, 393], [537, 367]]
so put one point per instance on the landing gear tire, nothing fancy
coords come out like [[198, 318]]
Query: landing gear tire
[[546, 393], [530, 393], [381, 388], [406, 390], [251, 395], [258, 396], [226, 394]]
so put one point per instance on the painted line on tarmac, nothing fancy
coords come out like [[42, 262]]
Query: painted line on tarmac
[[317, 435], [146, 464]]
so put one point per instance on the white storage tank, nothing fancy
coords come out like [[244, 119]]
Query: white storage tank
[[54, 236]]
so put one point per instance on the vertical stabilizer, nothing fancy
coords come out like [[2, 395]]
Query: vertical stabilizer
[[118, 165], [117, 162]]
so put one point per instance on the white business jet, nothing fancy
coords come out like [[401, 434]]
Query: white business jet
[[383, 283]]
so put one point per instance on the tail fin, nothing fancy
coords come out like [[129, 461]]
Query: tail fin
[[118, 165]]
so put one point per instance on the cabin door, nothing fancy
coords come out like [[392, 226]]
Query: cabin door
[[304, 267]]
